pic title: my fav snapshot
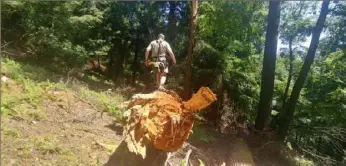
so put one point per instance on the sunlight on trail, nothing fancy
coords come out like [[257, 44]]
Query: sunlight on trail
[[241, 154]]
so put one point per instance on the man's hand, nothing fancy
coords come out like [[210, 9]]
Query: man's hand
[[174, 63], [146, 63], [172, 56]]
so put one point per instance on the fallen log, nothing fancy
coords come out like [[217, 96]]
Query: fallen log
[[157, 123]]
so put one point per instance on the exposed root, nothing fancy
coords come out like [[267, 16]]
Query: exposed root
[[162, 119], [187, 157]]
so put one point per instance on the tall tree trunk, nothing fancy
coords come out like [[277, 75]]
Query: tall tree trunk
[[134, 63], [119, 67], [193, 25], [172, 7], [98, 62], [110, 63], [268, 71], [172, 21], [289, 111], [290, 71]]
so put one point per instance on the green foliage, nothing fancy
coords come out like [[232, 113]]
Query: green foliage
[[69, 157], [201, 134], [105, 101], [296, 21], [22, 71], [232, 34], [225, 52], [335, 30], [33, 92], [182, 162], [320, 117], [46, 145], [22, 96], [8, 103], [10, 132], [303, 162], [36, 114], [52, 29], [244, 83], [201, 162], [326, 90]]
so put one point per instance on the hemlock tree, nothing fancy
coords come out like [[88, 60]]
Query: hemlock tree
[[193, 25], [289, 111], [268, 71], [295, 27]]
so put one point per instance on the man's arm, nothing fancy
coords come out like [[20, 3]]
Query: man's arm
[[147, 54], [170, 52]]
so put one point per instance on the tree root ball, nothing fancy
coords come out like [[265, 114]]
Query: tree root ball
[[162, 119]]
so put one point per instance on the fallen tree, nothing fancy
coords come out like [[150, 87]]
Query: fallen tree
[[157, 123]]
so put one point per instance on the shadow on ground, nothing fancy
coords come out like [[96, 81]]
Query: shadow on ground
[[118, 128], [123, 157]]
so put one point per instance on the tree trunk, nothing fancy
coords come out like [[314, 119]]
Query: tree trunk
[[290, 71], [171, 24], [134, 63], [268, 71], [297, 136], [289, 111], [193, 25], [98, 62], [119, 68], [172, 7], [110, 63]]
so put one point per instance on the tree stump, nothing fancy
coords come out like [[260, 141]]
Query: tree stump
[[157, 123]]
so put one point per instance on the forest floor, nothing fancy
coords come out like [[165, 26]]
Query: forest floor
[[48, 122]]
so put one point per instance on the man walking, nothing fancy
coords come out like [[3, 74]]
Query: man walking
[[159, 49]]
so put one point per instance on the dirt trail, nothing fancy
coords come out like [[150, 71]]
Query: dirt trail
[[70, 134], [240, 154]]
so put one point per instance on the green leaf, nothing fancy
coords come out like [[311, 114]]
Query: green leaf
[[201, 162], [274, 113]]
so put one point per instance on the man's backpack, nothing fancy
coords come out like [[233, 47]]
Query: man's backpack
[[159, 51]]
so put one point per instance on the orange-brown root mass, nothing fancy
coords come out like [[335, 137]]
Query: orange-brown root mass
[[162, 119]]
